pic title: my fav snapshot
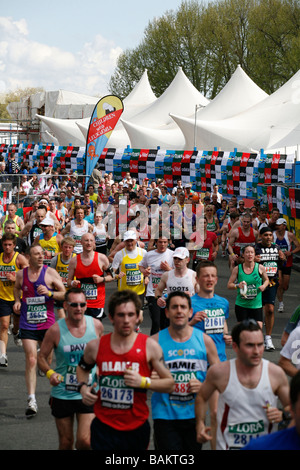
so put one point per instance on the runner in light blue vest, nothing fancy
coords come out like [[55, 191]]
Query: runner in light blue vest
[[186, 352]]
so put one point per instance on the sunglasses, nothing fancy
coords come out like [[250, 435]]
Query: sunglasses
[[77, 304]]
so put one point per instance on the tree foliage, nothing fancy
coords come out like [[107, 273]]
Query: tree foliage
[[209, 41]]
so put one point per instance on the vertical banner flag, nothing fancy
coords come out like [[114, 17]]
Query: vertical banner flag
[[103, 121]]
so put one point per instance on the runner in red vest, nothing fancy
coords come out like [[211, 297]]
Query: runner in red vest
[[125, 360], [240, 237], [91, 271]]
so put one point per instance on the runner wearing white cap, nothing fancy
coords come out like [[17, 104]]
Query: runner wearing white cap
[[49, 240], [127, 261]]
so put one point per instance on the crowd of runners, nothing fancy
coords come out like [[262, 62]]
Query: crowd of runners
[[158, 246]]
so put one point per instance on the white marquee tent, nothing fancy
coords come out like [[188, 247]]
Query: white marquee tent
[[75, 130], [270, 124], [241, 116]]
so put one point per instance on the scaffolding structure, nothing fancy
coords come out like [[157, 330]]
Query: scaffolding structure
[[14, 131]]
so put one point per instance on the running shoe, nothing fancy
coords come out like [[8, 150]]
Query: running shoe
[[3, 360], [32, 408], [269, 346], [17, 339], [280, 307]]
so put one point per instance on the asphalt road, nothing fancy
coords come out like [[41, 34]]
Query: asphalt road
[[39, 433]]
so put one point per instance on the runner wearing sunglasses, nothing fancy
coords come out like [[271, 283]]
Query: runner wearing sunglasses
[[67, 338]]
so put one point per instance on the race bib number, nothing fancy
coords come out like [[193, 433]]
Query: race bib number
[[133, 277], [90, 290], [48, 255], [71, 382], [64, 277], [214, 324], [6, 270], [36, 310], [156, 277], [115, 394], [182, 386], [77, 239], [251, 291], [203, 253], [271, 268], [239, 435]]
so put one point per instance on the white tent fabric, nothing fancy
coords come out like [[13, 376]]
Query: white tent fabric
[[118, 139], [262, 126], [140, 97], [63, 128], [168, 137], [64, 131], [153, 127], [53, 140], [180, 96], [241, 116], [239, 94]]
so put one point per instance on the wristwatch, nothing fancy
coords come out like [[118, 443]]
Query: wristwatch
[[80, 385], [286, 416]]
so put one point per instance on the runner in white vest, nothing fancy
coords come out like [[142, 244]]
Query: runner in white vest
[[77, 228], [248, 386], [181, 278]]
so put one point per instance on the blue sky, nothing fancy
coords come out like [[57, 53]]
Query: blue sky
[[70, 44]]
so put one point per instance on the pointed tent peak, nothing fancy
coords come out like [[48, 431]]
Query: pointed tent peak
[[142, 93], [180, 83], [240, 74], [180, 97], [241, 83], [83, 125], [238, 95]]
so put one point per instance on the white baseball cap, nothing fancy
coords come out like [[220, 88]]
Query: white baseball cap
[[281, 221], [130, 235], [47, 221], [181, 252]]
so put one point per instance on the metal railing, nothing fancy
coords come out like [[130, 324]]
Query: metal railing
[[12, 183]]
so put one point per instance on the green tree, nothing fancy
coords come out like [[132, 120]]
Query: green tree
[[274, 41], [209, 41]]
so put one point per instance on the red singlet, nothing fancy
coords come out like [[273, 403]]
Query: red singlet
[[119, 406], [95, 293], [243, 240]]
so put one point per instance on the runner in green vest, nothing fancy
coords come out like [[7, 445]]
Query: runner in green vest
[[250, 279]]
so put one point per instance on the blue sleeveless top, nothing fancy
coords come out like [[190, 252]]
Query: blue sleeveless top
[[68, 354], [186, 361]]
